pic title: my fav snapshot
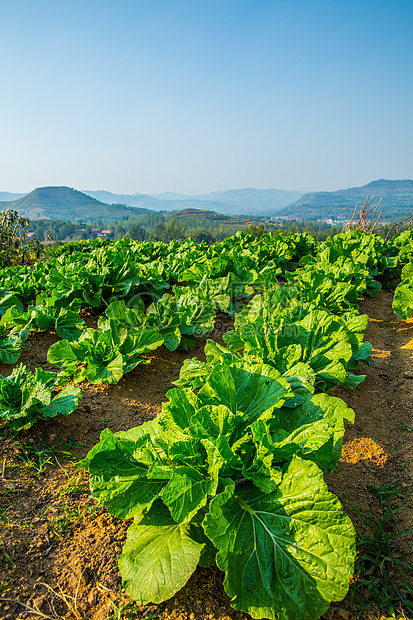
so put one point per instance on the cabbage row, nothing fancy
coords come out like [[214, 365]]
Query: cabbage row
[[230, 472], [403, 295]]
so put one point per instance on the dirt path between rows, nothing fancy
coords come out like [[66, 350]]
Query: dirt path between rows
[[58, 548]]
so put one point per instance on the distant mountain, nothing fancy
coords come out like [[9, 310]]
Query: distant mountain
[[262, 199], [170, 196], [396, 201], [64, 203], [132, 200], [248, 201], [7, 196]]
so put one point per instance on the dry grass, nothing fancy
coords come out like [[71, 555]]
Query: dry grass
[[364, 218]]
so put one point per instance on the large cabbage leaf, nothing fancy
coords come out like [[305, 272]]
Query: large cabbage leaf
[[286, 554]]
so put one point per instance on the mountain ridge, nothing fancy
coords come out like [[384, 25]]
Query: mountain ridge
[[396, 200], [65, 203], [245, 201], [10, 196]]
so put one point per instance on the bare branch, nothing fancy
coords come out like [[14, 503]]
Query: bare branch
[[367, 219]]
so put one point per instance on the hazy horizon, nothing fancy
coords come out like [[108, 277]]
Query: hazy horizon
[[192, 97], [98, 189], [194, 195]]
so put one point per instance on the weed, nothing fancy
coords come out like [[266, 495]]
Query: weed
[[395, 615], [106, 422], [165, 388], [61, 524], [38, 456], [8, 558], [380, 566], [3, 586], [71, 516], [69, 601], [6, 555], [75, 485], [36, 459], [406, 427], [6, 521], [129, 608]]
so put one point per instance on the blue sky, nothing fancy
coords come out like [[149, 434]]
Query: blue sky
[[194, 96]]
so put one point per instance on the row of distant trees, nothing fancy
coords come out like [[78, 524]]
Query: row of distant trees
[[168, 229]]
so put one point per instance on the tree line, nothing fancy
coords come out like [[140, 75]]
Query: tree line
[[157, 227]]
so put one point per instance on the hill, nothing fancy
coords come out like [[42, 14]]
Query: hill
[[65, 203], [7, 196], [142, 201], [263, 199], [199, 214], [396, 201], [211, 217], [247, 201]]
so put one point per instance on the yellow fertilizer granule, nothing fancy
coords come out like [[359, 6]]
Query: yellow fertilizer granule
[[363, 449]]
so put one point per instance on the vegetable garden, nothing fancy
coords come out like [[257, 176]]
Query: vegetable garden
[[228, 480]]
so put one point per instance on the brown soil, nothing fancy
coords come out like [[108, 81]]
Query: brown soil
[[58, 552]]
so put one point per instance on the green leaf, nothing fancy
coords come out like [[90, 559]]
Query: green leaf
[[132, 435], [261, 471], [159, 556], [10, 347], [193, 373], [8, 300], [69, 325], [176, 417], [64, 403], [363, 355], [186, 493], [172, 337], [141, 341], [259, 389], [125, 315], [100, 372], [301, 378], [67, 355], [352, 381], [220, 388], [14, 317], [313, 431], [286, 554], [25, 397], [118, 479], [403, 299]]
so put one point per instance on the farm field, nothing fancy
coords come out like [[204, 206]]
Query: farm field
[[60, 547]]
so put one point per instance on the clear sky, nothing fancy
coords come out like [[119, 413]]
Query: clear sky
[[194, 96]]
